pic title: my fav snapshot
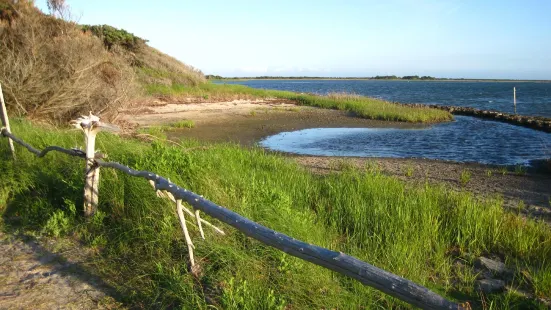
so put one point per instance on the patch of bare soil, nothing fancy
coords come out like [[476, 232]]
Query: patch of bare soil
[[33, 275]]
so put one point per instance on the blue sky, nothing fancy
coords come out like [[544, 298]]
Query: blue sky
[[443, 38]]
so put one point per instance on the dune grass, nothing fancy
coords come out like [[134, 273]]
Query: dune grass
[[359, 105], [416, 232]]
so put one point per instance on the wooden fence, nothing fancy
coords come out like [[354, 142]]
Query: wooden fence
[[339, 262]]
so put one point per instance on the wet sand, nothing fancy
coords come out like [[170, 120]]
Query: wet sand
[[246, 122]]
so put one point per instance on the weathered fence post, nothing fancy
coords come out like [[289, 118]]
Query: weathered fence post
[[5, 120], [91, 126]]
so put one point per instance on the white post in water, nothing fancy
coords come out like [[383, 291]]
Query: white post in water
[[5, 120], [515, 98]]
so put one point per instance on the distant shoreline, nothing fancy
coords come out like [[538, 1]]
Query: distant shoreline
[[373, 79]]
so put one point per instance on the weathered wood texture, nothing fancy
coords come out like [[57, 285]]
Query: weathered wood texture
[[91, 183], [367, 274], [5, 119]]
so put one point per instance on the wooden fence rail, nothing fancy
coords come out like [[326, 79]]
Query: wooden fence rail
[[342, 263]]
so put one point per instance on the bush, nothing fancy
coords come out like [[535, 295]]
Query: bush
[[112, 36]]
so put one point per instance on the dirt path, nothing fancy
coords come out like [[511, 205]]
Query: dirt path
[[32, 276]]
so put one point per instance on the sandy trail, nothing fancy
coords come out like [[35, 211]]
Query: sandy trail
[[34, 275]]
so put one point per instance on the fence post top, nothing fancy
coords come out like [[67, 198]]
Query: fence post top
[[93, 123]]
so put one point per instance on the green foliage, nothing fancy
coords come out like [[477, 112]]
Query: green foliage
[[112, 36], [542, 280], [408, 230], [237, 295], [520, 170], [160, 131], [409, 171], [465, 177], [183, 124], [58, 224], [155, 131]]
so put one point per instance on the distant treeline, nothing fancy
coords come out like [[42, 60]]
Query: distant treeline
[[406, 77], [378, 77]]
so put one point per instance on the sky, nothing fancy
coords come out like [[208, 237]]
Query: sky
[[340, 38]]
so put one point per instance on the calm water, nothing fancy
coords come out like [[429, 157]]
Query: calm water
[[533, 98], [465, 140]]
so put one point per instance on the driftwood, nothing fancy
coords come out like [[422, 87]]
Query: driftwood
[[91, 126], [367, 274], [201, 221]]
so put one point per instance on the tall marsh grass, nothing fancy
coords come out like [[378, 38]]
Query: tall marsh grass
[[415, 232]]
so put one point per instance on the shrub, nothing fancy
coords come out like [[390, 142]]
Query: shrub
[[112, 36]]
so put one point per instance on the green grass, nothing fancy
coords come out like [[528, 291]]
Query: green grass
[[465, 177], [358, 105], [415, 232], [183, 124], [159, 131]]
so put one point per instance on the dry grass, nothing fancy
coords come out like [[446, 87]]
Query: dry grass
[[51, 70], [343, 95], [158, 68]]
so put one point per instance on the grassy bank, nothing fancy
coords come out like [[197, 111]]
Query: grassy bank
[[361, 106], [426, 234]]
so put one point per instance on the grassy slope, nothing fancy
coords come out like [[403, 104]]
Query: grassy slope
[[414, 232], [359, 105], [54, 70]]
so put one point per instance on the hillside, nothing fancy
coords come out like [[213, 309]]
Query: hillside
[[53, 69]]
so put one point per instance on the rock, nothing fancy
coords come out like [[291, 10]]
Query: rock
[[490, 285], [495, 267]]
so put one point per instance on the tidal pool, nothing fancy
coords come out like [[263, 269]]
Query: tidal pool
[[466, 139]]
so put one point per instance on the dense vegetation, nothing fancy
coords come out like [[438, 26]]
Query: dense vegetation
[[51, 69], [112, 36], [417, 232]]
